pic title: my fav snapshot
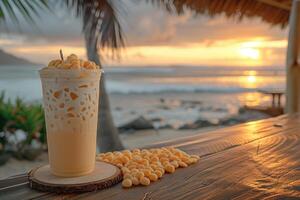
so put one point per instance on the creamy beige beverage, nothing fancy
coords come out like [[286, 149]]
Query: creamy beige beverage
[[70, 94]]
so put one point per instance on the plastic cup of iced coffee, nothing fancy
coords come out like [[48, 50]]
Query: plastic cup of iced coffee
[[70, 97]]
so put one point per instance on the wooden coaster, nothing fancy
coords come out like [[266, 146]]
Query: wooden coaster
[[104, 176]]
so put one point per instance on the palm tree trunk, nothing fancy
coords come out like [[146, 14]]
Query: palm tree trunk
[[107, 134]]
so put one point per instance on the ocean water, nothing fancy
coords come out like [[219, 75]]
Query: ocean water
[[193, 79], [24, 81], [140, 90]]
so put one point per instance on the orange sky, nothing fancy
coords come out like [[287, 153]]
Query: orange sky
[[154, 37]]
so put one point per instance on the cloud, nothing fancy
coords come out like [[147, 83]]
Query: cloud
[[144, 25]]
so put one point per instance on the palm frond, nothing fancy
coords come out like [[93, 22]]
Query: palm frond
[[236, 9], [169, 5], [26, 9], [100, 22]]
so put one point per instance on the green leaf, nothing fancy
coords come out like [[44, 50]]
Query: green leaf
[[28, 9], [8, 7]]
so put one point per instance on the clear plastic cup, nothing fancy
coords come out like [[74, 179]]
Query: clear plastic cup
[[71, 111]]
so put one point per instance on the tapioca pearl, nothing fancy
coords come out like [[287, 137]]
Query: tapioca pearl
[[170, 168], [174, 163], [195, 156], [144, 181], [182, 164], [83, 118], [193, 160], [83, 109], [75, 65], [125, 170], [57, 94], [153, 177], [147, 172], [72, 57], [126, 183], [163, 159], [185, 159], [135, 181], [61, 105], [70, 115], [139, 174], [73, 96], [66, 89], [158, 173], [70, 108]]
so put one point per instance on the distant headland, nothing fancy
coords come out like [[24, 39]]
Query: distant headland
[[9, 59]]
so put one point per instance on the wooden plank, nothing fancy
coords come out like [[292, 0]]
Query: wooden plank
[[219, 140], [264, 168], [253, 160], [12, 181]]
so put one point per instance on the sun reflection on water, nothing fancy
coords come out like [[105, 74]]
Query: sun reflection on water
[[250, 79]]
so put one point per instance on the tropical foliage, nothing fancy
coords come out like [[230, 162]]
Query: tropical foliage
[[22, 127], [100, 22], [14, 10]]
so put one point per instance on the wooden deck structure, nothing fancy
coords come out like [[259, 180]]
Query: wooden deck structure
[[256, 160], [276, 94], [275, 109]]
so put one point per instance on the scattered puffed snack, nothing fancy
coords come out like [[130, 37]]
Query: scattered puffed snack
[[72, 62], [140, 167], [127, 183]]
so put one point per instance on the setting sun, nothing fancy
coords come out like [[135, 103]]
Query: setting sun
[[251, 78], [251, 53]]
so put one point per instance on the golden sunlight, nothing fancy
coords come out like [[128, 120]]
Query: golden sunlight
[[223, 52], [251, 79], [252, 53]]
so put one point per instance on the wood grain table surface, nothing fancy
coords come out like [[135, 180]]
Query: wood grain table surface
[[255, 160]]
